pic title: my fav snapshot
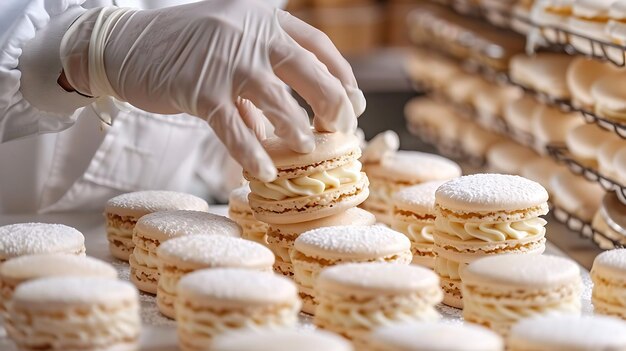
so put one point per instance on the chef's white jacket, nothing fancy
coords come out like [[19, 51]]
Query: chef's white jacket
[[57, 155]]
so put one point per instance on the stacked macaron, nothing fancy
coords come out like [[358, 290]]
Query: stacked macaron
[[122, 213], [239, 211], [483, 215], [609, 283], [39, 238]]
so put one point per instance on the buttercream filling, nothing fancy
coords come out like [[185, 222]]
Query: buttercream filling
[[609, 293], [447, 268], [145, 258], [495, 313], [120, 232], [312, 184], [419, 232], [492, 232]]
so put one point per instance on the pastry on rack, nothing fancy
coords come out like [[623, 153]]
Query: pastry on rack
[[239, 211], [541, 170], [616, 29], [509, 157], [584, 142], [610, 97], [544, 73], [518, 115], [489, 104], [582, 73], [549, 16], [550, 126], [576, 195], [477, 141], [619, 165], [610, 223], [39, 238], [606, 155], [589, 19]]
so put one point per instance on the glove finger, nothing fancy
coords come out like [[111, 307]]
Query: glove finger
[[290, 120], [315, 41], [301, 70], [241, 143], [252, 117]]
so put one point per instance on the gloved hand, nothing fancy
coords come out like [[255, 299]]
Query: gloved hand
[[202, 57]]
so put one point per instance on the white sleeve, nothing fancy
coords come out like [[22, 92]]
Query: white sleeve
[[31, 101]]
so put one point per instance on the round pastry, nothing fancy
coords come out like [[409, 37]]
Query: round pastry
[[518, 114], [464, 88], [499, 291], [75, 313], [550, 14], [541, 170], [576, 195], [399, 170], [215, 301], [153, 229], [354, 299], [589, 19], [414, 216], [281, 237], [39, 238], [489, 103], [25, 268], [550, 126], [582, 73], [509, 157], [431, 120], [616, 30], [239, 211], [563, 332], [476, 141], [122, 212], [182, 255], [433, 336], [544, 72], [584, 141], [619, 165], [320, 248], [609, 283], [280, 340], [312, 186], [606, 155], [484, 215], [611, 232], [608, 92]]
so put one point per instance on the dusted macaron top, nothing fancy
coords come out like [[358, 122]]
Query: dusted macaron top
[[215, 251], [352, 242], [418, 198], [490, 192], [171, 224], [565, 332], [611, 263], [328, 146], [37, 238], [280, 340], [236, 287], [521, 271], [377, 277], [354, 216], [139, 203], [414, 166], [37, 266], [432, 336], [53, 292]]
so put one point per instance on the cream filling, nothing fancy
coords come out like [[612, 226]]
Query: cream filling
[[492, 232], [98, 326], [609, 294], [145, 258], [121, 232], [382, 191], [508, 314], [312, 184], [416, 231], [447, 268]]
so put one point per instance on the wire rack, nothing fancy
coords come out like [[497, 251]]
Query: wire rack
[[584, 229], [560, 153]]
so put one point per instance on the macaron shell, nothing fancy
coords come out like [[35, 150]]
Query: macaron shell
[[419, 199], [550, 125], [140, 203], [619, 164], [352, 216], [37, 266], [165, 225], [582, 73], [585, 140], [509, 157], [518, 113], [39, 238], [414, 167], [576, 195]]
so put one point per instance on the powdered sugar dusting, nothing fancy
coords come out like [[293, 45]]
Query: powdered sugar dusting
[[490, 192], [235, 284], [217, 251], [150, 201], [421, 196], [170, 224], [412, 165], [613, 260], [379, 276], [37, 238], [371, 241]]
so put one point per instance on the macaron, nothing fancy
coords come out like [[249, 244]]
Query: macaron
[[608, 223], [589, 19], [356, 298], [414, 216], [541, 170], [239, 211], [584, 142], [563, 332], [608, 275], [323, 247], [280, 340], [185, 254], [25, 268], [518, 114], [122, 212], [499, 291], [549, 15], [74, 313], [39, 238], [435, 336], [217, 301], [576, 195], [399, 170], [322, 183], [616, 29], [489, 103], [281, 237], [154, 229], [509, 157], [476, 141], [619, 165], [544, 72], [464, 87], [551, 126], [608, 92], [582, 73], [606, 155], [484, 215]]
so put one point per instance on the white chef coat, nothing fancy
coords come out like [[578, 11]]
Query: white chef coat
[[56, 154]]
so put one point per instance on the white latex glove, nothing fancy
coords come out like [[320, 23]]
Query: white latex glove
[[202, 57]]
